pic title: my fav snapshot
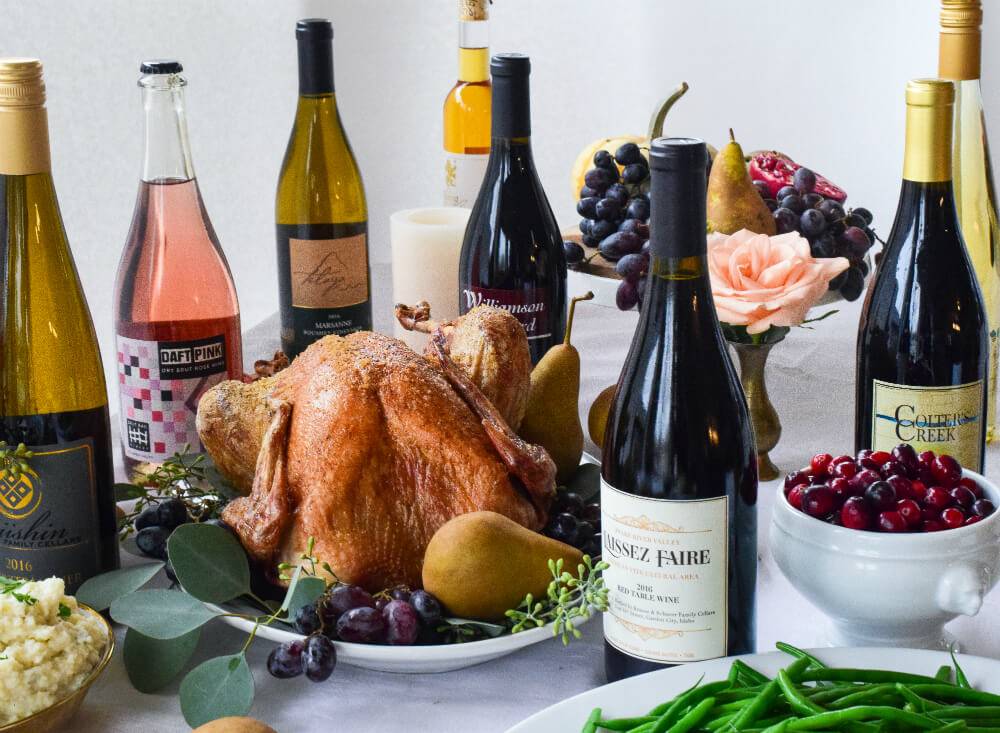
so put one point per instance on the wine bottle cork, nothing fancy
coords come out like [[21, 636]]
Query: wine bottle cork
[[471, 10]]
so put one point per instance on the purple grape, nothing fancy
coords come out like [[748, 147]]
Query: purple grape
[[643, 231], [619, 193], [599, 179], [635, 173], [602, 228], [632, 266], [608, 209], [585, 225], [563, 527], [603, 159], [589, 240], [567, 502], [762, 189], [147, 518], [628, 153], [630, 225], [361, 626], [804, 180], [831, 209], [320, 657], [864, 214], [785, 220], [592, 514], [858, 242], [402, 623], [574, 253], [812, 200], [823, 246], [619, 244], [306, 619], [587, 207], [584, 531], [793, 202], [853, 285], [587, 192], [627, 295], [638, 208], [343, 598], [771, 205], [428, 607], [400, 593], [381, 603], [785, 191], [152, 541], [171, 513], [285, 660], [812, 222]]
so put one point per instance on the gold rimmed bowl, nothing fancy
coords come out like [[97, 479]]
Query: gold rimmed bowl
[[57, 716]]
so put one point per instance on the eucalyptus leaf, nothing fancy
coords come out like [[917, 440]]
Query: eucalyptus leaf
[[152, 664], [209, 562], [125, 492], [491, 630], [306, 590], [161, 613], [218, 688], [102, 590]]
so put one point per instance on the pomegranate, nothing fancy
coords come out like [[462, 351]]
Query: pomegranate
[[777, 171]]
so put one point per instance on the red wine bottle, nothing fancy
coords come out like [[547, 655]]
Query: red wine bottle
[[679, 471], [177, 320], [512, 255]]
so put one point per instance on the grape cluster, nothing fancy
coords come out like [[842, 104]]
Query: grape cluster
[[397, 617], [154, 524], [575, 523], [831, 230], [614, 204]]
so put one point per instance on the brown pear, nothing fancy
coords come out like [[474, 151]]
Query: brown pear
[[597, 418], [733, 202]]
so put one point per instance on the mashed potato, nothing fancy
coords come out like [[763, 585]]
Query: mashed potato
[[44, 656]]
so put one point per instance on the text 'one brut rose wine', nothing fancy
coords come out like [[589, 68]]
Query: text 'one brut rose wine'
[[177, 320], [322, 216], [467, 108], [57, 517], [923, 347], [972, 171], [679, 471], [512, 255]]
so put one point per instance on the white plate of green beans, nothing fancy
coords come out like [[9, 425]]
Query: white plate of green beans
[[857, 690]]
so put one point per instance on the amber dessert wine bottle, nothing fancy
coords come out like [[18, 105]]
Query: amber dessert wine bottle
[[57, 510], [177, 320], [923, 344], [322, 216]]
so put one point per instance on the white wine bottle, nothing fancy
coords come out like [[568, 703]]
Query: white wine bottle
[[679, 469], [322, 216], [57, 511], [972, 173]]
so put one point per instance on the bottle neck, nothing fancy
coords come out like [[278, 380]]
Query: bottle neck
[[927, 152], [513, 153], [960, 40], [315, 67], [168, 154], [25, 135], [473, 50], [511, 108]]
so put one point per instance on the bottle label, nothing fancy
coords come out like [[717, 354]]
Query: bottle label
[[48, 517], [667, 576], [463, 177], [530, 307], [160, 384], [329, 273], [942, 419]]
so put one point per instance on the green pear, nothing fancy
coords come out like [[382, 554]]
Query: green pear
[[552, 418], [733, 202]]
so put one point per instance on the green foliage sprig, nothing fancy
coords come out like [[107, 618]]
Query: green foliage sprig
[[10, 587], [568, 600]]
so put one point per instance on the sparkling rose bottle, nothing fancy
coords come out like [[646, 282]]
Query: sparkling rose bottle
[[177, 320]]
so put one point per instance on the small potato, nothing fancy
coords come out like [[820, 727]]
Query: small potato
[[234, 725]]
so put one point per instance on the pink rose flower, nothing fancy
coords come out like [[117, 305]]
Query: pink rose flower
[[760, 281]]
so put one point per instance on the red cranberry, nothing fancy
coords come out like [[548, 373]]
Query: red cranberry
[[863, 455], [926, 458], [795, 496], [841, 487], [841, 459], [963, 497], [910, 511], [918, 488], [819, 463], [818, 501], [946, 470], [905, 454], [952, 517], [924, 474], [930, 515], [902, 486], [931, 525], [867, 477], [881, 496], [844, 470], [972, 520], [881, 456], [795, 478], [892, 468], [856, 514], [937, 497], [891, 522], [972, 486], [983, 508]]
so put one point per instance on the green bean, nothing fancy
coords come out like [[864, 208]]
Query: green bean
[[799, 654], [719, 722], [863, 712], [591, 725], [750, 673], [960, 679], [953, 726], [943, 673], [965, 711], [799, 702], [863, 695], [625, 724], [686, 700], [954, 692], [689, 721], [780, 726], [913, 698], [865, 675]]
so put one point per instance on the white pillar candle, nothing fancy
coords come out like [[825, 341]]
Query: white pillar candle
[[426, 244]]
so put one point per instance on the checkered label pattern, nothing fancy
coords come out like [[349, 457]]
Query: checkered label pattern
[[160, 384]]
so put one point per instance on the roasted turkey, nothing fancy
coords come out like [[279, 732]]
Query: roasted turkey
[[367, 447]]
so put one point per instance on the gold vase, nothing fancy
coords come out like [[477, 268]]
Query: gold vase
[[766, 425]]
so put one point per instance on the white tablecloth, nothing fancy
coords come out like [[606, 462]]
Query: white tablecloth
[[811, 380]]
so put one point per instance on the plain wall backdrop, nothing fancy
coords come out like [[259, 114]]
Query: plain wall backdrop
[[821, 81]]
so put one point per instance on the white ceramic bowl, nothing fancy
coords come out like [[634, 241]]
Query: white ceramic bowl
[[882, 589]]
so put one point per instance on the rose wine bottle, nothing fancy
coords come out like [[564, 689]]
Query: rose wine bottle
[[923, 344], [177, 320], [679, 469], [467, 108], [322, 215], [972, 172], [512, 255], [57, 517]]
